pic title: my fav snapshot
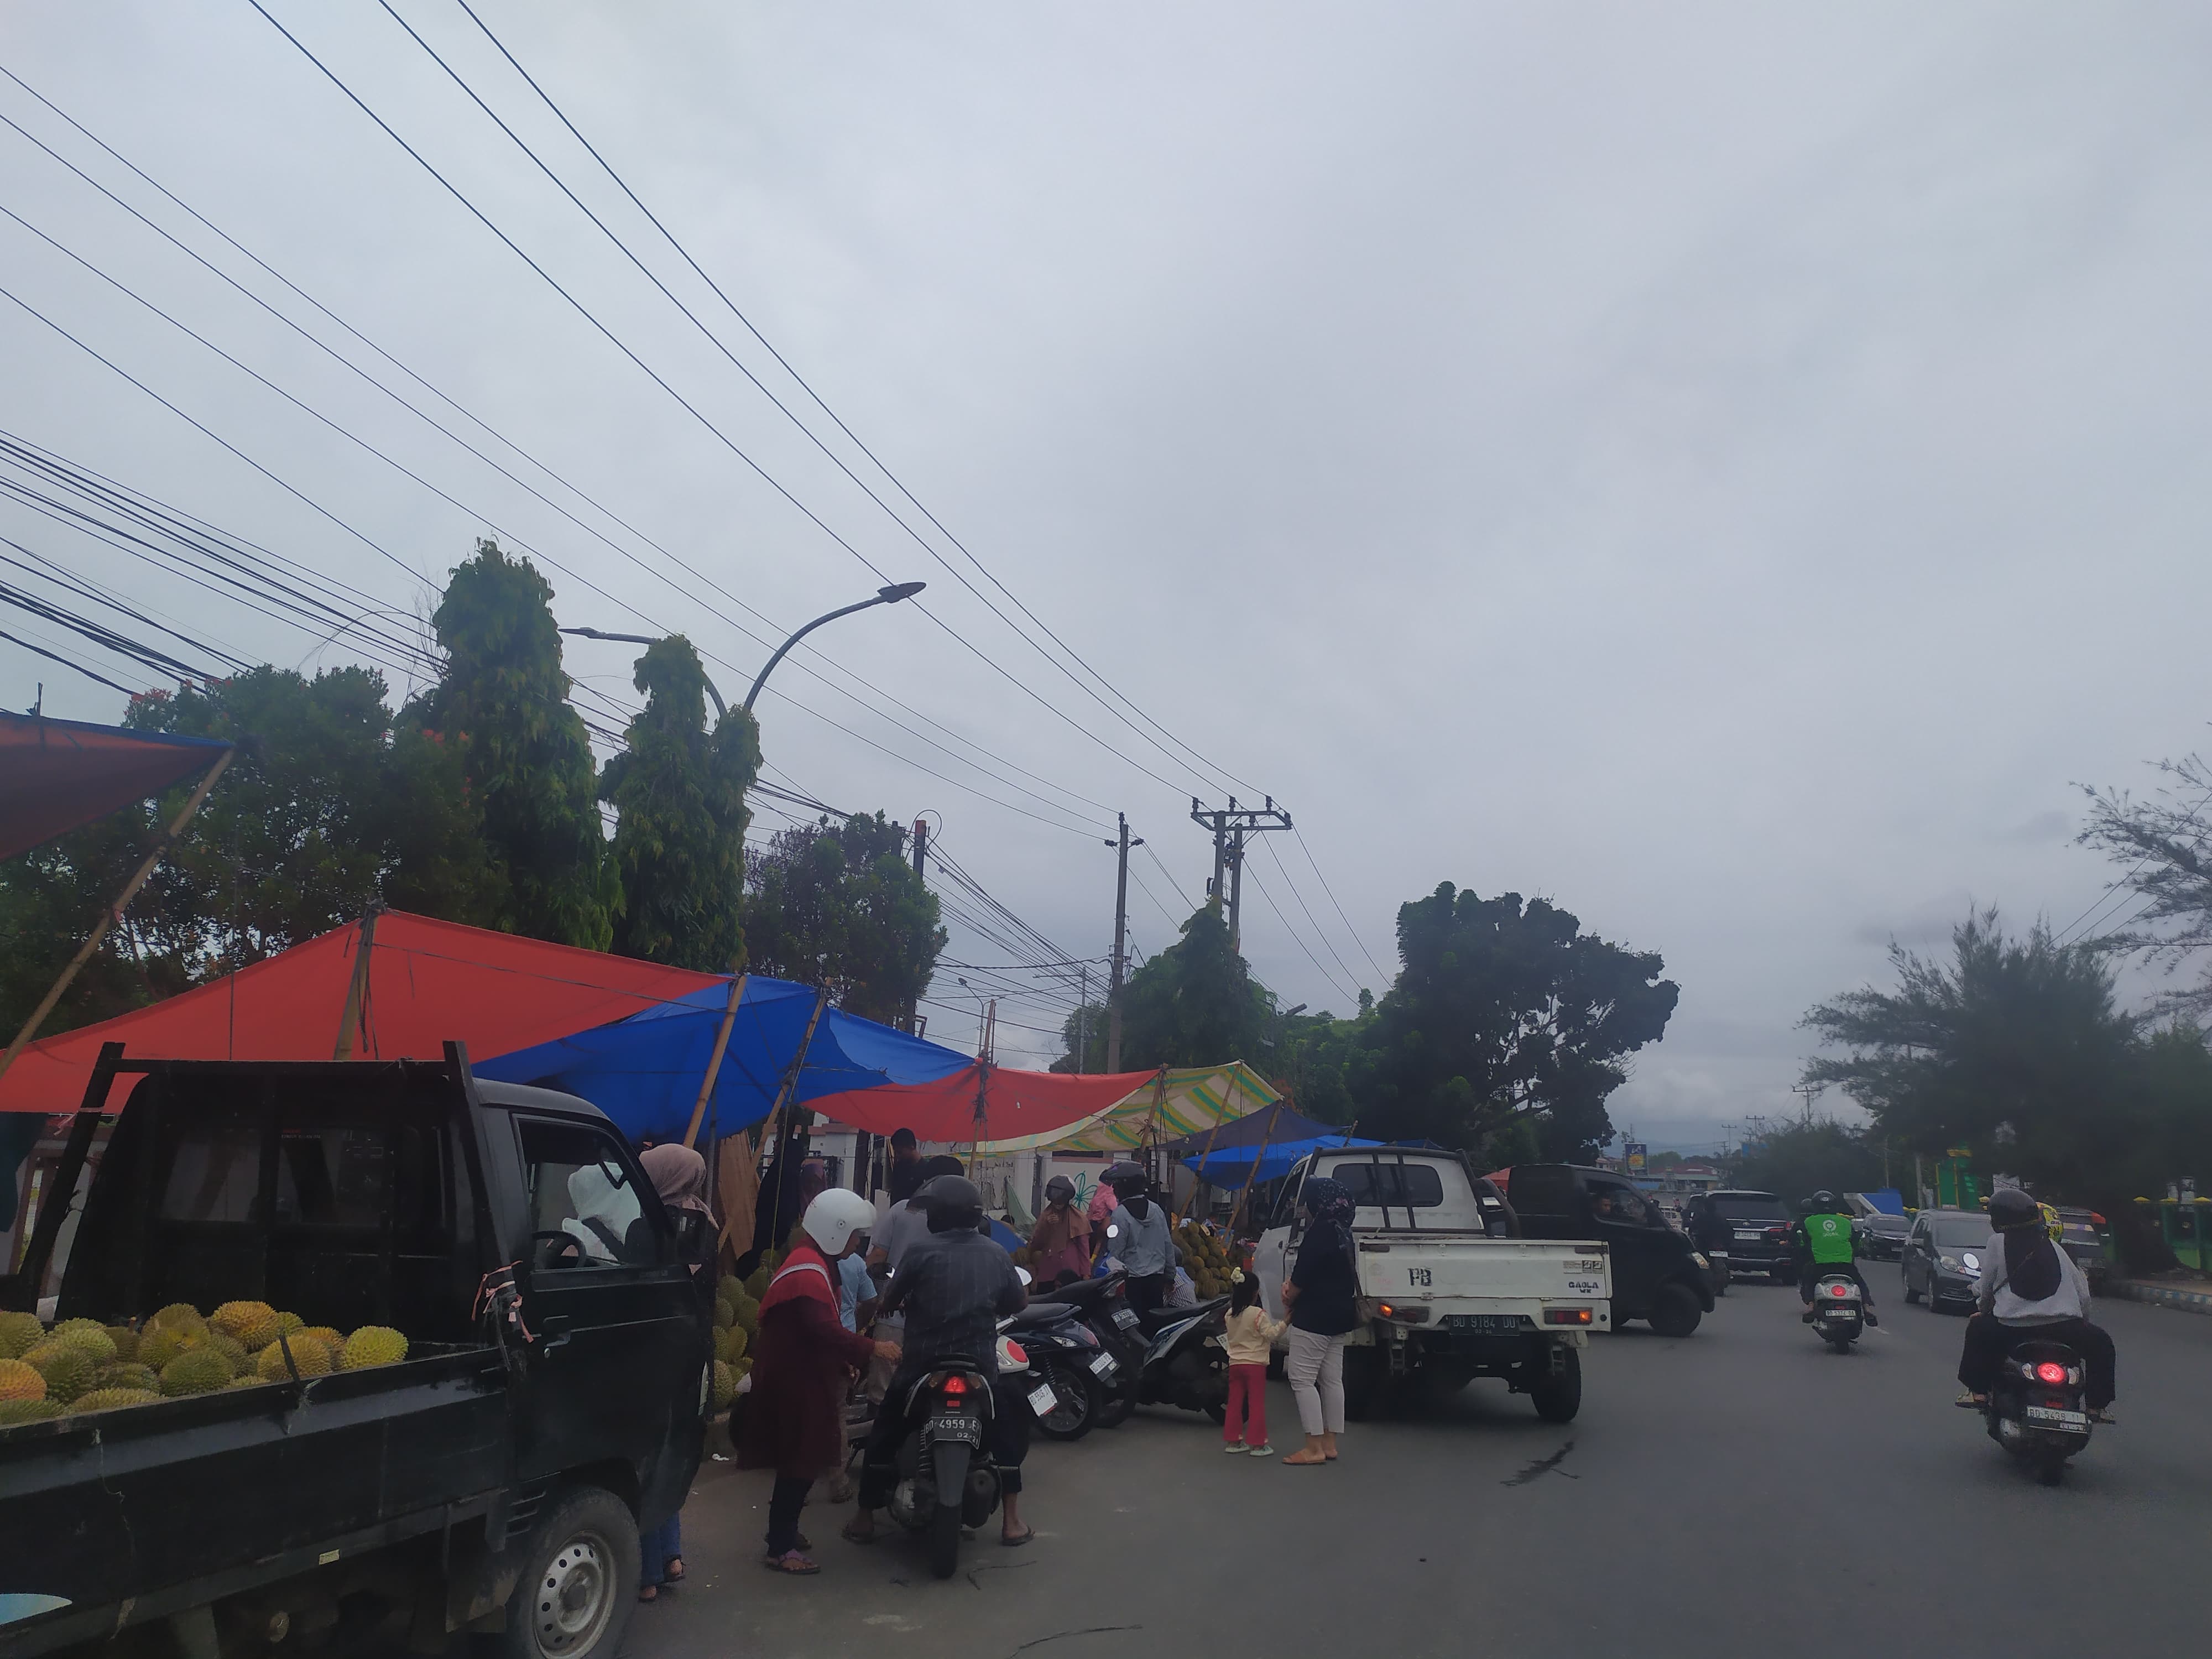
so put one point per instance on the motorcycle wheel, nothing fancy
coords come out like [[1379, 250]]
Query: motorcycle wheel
[[945, 1540], [1078, 1411], [1839, 1342], [2050, 1467]]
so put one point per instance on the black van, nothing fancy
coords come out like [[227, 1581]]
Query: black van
[[1658, 1273]]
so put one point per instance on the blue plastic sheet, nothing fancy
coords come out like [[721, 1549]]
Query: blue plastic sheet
[[644, 1071]]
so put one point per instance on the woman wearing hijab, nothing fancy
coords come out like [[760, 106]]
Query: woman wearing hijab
[[1321, 1293], [804, 1357], [2031, 1288], [679, 1176]]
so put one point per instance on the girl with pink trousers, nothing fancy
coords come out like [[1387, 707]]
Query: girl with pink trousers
[[1248, 1336]]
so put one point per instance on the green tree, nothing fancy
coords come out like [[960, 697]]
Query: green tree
[[501, 705], [1505, 1011], [1323, 1064], [679, 845], [1800, 1159], [2166, 844], [1084, 1033], [838, 906], [2013, 1047], [1195, 1004]]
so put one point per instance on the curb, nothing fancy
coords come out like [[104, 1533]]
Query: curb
[[2165, 1295]]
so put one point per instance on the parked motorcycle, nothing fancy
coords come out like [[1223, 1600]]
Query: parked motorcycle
[[2035, 1409], [1838, 1311], [1065, 1352], [1103, 1305], [1184, 1363]]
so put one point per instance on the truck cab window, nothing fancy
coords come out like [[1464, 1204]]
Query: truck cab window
[[214, 1169], [585, 1212]]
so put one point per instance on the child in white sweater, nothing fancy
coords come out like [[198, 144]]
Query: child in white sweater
[[1247, 1336]]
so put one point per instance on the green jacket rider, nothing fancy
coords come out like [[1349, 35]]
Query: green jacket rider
[[1826, 1242]]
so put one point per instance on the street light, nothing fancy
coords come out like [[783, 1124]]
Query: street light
[[891, 595], [720, 707]]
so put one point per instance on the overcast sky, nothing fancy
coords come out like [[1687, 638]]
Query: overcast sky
[[1730, 470]]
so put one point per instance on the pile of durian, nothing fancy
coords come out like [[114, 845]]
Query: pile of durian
[[1204, 1259], [736, 1321], [81, 1365]]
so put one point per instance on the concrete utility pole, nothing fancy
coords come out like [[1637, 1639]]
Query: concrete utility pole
[[1120, 972], [920, 856], [1230, 829]]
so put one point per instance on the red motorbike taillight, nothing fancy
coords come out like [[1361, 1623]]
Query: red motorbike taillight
[[1015, 1351], [1839, 1290], [2051, 1372], [955, 1385]]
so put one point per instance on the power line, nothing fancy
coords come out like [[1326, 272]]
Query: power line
[[1351, 977], [1296, 938], [1381, 978]]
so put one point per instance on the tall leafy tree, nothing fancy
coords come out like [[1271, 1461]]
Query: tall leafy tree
[[1082, 1034], [2165, 842], [838, 906], [1195, 1002], [1799, 1159], [679, 844], [502, 706], [1505, 1011]]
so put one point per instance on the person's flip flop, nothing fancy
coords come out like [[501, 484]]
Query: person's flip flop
[[671, 1570], [648, 1592], [1028, 1533], [794, 1563]]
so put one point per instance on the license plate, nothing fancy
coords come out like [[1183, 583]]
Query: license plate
[[1103, 1365], [1749, 1238], [1042, 1400], [2051, 1418], [1126, 1318], [970, 1429], [1482, 1322], [1838, 1313]]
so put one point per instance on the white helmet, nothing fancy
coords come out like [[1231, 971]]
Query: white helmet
[[833, 1217]]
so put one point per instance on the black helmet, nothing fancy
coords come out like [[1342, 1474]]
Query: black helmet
[[1060, 1189], [1823, 1201], [951, 1202], [2010, 1207], [1126, 1178]]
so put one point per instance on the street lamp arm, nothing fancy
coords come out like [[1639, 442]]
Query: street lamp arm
[[721, 709], [883, 596]]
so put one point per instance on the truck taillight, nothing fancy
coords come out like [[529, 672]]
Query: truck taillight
[[1403, 1313], [1568, 1317]]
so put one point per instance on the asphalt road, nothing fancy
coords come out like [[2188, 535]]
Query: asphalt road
[[1738, 1489]]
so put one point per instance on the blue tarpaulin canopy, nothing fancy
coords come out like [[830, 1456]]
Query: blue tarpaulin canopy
[[644, 1071], [1231, 1166]]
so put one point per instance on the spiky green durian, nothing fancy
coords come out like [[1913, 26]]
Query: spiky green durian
[[372, 1344], [67, 1368], [309, 1357], [20, 1332], [108, 1400], [27, 1411], [197, 1371]]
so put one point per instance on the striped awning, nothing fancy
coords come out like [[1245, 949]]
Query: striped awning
[[1181, 1101]]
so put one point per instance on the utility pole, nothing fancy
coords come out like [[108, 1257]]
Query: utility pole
[[1229, 828], [1122, 844], [1083, 1021], [920, 856]]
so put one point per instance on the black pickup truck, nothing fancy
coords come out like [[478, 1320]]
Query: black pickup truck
[[552, 1403]]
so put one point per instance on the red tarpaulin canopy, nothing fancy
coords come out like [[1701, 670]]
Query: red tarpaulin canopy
[[428, 983], [57, 775], [1020, 1108]]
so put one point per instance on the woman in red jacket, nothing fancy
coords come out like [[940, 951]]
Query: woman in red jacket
[[803, 1363]]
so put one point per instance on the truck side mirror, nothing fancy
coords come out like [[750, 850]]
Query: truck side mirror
[[693, 1231]]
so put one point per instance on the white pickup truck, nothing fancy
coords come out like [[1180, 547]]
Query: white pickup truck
[[1448, 1290]]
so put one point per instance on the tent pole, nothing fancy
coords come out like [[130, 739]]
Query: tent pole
[[714, 1060], [777, 1113], [357, 995], [1274, 1114], [112, 914]]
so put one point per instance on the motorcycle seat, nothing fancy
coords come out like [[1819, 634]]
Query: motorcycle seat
[[1160, 1318], [1044, 1315], [1083, 1293]]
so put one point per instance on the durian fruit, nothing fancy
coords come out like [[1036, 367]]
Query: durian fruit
[[748, 1315], [740, 1339], [289, 1322], [311, 1356], [725, 1385], [108, 1400], [88, 1335], [330, 1336], [67, 1367], [725, 1315], [27, 1411], [20, 1332], [196, 1371], [251, 1325], [756, 1282], [232, 1350], [372, 1344], [178, 1313], [20, 1381], [125, 1341], [251, 1380], [164, 1342], [127, 1374]]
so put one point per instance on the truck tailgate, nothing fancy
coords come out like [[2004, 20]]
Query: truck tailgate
[[1481, 1275]]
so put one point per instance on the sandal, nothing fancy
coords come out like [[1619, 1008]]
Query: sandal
[[1298, 1460], [1971, 1401], [648, 1592], [671, 1570], [852, 1537], [1028, 1533], [792, 1562]]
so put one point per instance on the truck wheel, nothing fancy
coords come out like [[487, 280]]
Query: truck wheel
[[1558, 1396], [1675, 1310], [579, 1581]]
